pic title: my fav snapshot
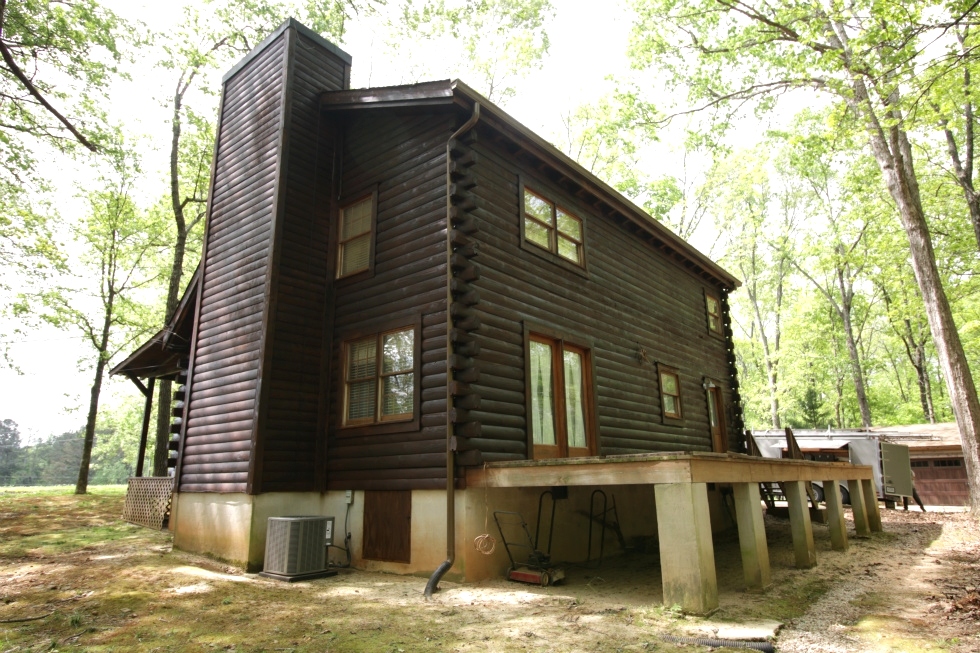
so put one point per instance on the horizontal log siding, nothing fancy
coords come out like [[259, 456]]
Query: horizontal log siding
[[403, 156], [288, 442], [215, 453], [633, 297]]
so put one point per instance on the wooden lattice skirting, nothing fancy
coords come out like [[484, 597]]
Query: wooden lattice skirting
[[148, 501]]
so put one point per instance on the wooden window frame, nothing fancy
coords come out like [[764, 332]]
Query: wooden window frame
[[708, 297], [379, 423], [714, 388], [673, 371], [561, 342], [354, 199], [551, 253]]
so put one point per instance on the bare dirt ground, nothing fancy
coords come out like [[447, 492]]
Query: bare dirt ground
[[73, 577]]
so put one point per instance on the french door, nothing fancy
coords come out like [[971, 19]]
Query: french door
[[560, 387]]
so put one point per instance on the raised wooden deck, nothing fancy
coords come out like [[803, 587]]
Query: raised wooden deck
[[655, 468], [680, 485]]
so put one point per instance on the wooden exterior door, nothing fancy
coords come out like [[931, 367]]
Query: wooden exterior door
[[719, 443], [387, 525]]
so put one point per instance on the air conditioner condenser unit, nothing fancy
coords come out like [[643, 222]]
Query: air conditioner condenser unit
[[296, 548]]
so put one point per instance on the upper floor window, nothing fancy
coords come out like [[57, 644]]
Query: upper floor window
[[550, 227], [670, 393], [379, 378], [355, 237], [713, 308]]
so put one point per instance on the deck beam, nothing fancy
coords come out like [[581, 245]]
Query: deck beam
[[652, 469]]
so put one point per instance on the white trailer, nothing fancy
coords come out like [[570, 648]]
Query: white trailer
[[889, 461]]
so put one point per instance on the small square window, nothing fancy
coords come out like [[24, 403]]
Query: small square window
[[354, 243]]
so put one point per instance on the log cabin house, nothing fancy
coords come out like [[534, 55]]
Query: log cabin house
[[352, 356]]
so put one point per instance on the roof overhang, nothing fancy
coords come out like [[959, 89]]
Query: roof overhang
[[450, 93], [159, 357]]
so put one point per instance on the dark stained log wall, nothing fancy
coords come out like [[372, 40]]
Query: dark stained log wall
[[632, 298], [401, 156], [262, 216]]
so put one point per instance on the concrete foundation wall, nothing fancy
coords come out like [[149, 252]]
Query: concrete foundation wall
[[233, 527], [217, 525]]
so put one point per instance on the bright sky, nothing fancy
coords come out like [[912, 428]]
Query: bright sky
[[51, 395]]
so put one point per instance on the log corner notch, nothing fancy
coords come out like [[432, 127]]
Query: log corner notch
[[463, 321]]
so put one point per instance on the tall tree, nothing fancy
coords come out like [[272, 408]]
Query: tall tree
[[9, 451], [491, 44], [118, 243], [57, 59], [56, 62], [866, 54], [756, 216], [951, 100], [604, 138], [836, 258]]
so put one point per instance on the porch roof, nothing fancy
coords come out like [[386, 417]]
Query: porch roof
[[159, 357]]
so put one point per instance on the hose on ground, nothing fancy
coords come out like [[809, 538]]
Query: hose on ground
[[730, 643]]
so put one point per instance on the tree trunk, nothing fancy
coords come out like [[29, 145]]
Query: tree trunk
[[162, 450], [857, 373], [922, 376], [893, 154], [165, 395], [81, 485], [772, 378]]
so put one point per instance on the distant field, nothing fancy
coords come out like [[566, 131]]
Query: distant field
[[47, 490]]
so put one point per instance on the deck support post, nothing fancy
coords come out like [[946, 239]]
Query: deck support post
[[835, 516], [800, 524], [871, 504], [859, 508], [752, 536], [687, 559]]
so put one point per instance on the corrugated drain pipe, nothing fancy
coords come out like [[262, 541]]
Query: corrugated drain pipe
[[766, 647], [450, 454]]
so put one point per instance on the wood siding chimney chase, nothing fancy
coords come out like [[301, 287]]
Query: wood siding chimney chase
[[253, 421]]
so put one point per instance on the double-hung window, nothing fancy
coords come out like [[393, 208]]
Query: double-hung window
[[355, 237], [550, 227], [713, 309], [560, 415], [379, 378], [670, 393]]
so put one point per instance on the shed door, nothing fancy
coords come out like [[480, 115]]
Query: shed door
[[387, 525]]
